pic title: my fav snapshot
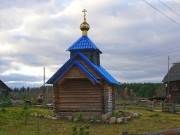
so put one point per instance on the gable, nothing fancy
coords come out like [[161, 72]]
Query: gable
[[88, 67], [76, 57], [76, 70], [93, 70], [3, 85], [174, 73]]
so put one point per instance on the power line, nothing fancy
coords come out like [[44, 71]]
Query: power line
[[148, 58], [161, 12], [164, 52], [176, 3], [169, 8]]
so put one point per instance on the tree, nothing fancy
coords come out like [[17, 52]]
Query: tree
[[161, 91], [143, 89], [25, 111]]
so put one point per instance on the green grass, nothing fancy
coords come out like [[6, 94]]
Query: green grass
[[11, 122]]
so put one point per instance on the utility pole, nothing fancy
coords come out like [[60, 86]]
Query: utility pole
[[44, 76], [168, 73], [44, 81]]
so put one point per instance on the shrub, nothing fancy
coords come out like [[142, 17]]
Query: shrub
[[93, 119], [6, 102], [117, 114], [82, 130], [80, 116], [25, 111]]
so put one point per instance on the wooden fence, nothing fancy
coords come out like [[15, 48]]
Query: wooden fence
[[151, 106], [168, 107]]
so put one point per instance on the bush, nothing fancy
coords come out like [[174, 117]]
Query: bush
[[6, 102], [82, 130], [80, 116], [93, 119], [117, 114], [25, 111]]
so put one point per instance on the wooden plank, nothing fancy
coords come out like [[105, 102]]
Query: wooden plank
[[79, 96], [80, 99], [79, 107], [78, 102], [81, 92], [79, 110], [90, 69]]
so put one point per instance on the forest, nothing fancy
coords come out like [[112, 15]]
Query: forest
[[144, 90]]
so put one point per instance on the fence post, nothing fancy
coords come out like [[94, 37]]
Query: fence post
[[173, 107]]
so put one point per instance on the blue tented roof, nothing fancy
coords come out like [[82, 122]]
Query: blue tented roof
[[99, 69], [83, 43]]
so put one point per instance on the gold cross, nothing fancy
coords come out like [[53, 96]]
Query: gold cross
[[84, 14]]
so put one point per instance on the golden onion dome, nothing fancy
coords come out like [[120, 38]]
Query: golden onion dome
[[84, 26]]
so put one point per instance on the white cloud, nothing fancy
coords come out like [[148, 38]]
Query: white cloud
[[132, 35]]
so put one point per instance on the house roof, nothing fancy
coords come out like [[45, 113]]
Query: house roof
[[4, 86], [174, 73], [100, 70], [83, 43]]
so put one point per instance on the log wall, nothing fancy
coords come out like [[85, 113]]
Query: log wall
[[174, 88], [79, 95]]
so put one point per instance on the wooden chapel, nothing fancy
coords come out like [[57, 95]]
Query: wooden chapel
[[82, 84]]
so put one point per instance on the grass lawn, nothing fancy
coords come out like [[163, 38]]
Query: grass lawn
[[12, 123]]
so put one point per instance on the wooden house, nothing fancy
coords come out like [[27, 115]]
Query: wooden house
[[82, 84], [4, 90], [172, 82]]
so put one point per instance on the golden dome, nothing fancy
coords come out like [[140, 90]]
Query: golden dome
[[84, 26]]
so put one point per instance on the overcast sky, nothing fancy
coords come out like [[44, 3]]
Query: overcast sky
[[135, 38]]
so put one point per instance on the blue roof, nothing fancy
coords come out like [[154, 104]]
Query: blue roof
[[100, 70], [106, 75], [83, 43]]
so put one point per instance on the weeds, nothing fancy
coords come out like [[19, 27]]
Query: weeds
[[155, 115], [93, 119], [25, 112], [82, 130], [80, 116]]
